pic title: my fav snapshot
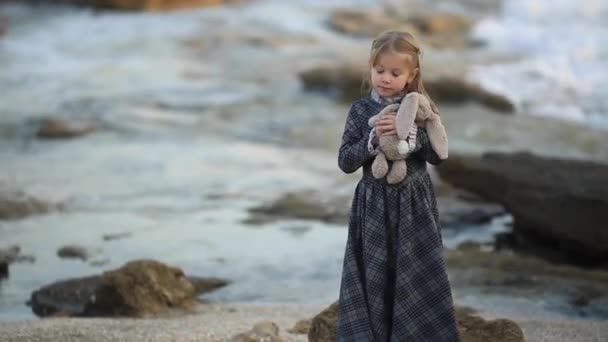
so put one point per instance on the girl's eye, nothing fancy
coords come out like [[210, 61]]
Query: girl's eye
[[395, 74], [379, 71]]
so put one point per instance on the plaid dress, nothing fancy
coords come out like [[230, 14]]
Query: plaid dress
[[394, 283]]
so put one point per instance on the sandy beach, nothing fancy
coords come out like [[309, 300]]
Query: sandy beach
[[220, 322]]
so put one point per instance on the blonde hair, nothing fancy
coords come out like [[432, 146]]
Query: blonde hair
[[400, 42]]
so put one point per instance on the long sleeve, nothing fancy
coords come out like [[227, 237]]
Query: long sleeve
[[424, 149], [354, 150]]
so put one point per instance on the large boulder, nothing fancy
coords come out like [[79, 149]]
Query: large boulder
[[139, 288], [557, 202], [457, 90], [442, 30], [471, 328], [365, 23], [346, 81], [472, 264]]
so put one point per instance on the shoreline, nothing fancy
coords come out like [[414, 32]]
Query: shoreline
[[220, 322]]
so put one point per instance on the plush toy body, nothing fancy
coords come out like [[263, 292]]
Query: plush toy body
[[415, 109]]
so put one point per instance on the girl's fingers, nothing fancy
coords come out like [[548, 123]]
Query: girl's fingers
[[386, 126], [385, 123], [391, 132]]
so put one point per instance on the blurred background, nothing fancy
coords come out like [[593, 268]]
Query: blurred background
[[204, 134]]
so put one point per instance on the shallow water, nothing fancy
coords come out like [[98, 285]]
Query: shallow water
[[563, 70]]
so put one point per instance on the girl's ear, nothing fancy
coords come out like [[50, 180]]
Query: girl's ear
[[413, 75]]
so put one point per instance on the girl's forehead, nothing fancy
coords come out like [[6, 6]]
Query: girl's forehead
[[393, 59]]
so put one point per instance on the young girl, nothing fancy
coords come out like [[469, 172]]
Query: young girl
[[394, 283]]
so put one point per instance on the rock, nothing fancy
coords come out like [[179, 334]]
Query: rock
[[204, 285], [472, 328], [147, 5], [138, 288], [475, 329], [448, 28], [300, 206], [99, 262], [66, 297], [266, 331], [301, 328], [76, 252], [472, 264], [346, 81], [117, 236], [558, 203], [455, 90], [442, 23], [16, 205], [55, 128], [3, 269], [365, 23], [456, 212], [141, 288], [584, 294], [323, 326], [12, 254]]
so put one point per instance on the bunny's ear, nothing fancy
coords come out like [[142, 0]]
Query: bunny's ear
[[406, 115], [372, 121], [437, 136], [426, 111]]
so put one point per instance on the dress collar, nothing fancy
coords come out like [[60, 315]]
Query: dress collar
[[385, 100]]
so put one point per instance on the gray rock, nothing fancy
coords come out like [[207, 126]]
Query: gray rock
[[75, 252], [556, 202]]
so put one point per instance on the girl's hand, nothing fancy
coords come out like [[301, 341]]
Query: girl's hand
[[386, 124]]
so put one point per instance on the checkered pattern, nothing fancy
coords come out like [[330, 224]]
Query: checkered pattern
[[394, 282]]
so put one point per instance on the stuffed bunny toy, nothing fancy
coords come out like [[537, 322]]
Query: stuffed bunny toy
[[414, 110]]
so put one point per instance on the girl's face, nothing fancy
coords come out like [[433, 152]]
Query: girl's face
[[391, 73]]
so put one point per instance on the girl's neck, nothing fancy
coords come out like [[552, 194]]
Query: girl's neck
[[386, 99]]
